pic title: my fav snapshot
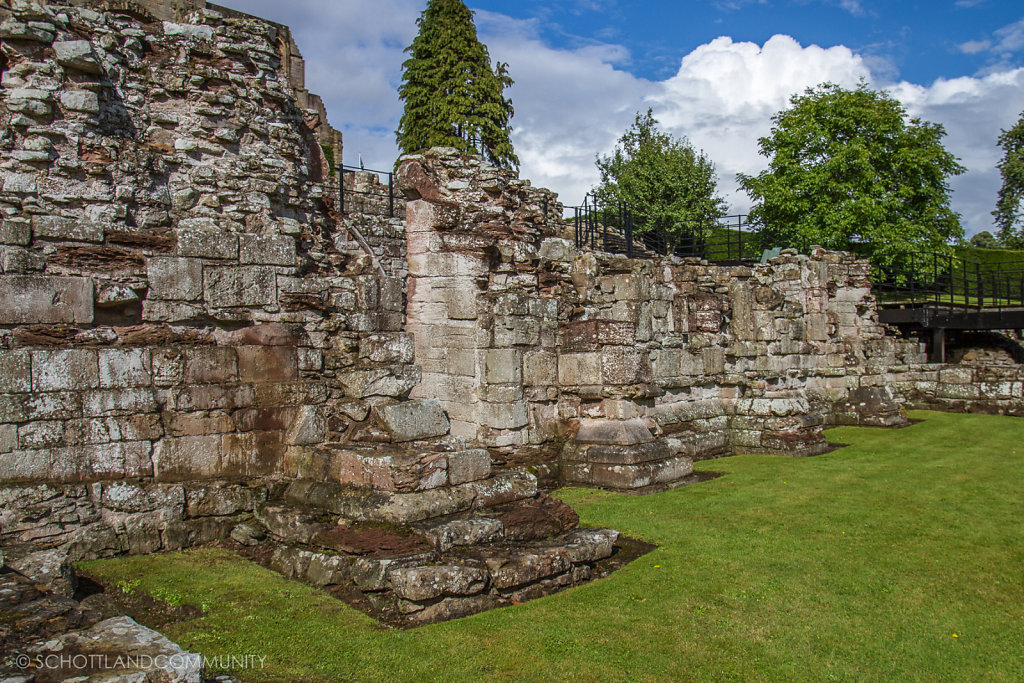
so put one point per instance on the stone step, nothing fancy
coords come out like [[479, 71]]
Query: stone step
[[361, 505], [402, 469], [627, 476], [530, 519], [432, 586]]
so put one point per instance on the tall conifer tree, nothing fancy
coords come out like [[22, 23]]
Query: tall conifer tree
[[453, 96]]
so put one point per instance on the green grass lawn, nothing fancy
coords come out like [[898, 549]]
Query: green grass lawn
[[900, 557]]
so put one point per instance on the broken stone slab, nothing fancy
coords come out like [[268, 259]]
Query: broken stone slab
[[371, 573], [84, 101], [628, 476], [513, 567], [413, 420], [536, 518], [614, 432], [618, 455], [190, 31], [393, 382], [247, 534], [40, 32], [290, 525], [140, 651], [450, 608], [463, 532], [590, 545], [77, 54], [422, 583], [33, 101], [402, 508], [400, 471], [50, 568]]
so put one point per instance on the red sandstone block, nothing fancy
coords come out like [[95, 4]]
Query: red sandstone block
[[267, 363]]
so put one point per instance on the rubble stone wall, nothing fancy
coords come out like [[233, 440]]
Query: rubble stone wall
[[996, 388], [179, 300], [529, 342]]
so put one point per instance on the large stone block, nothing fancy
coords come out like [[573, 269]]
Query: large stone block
[[413, 420], [267, 363], [186, 458], [66, 369], [579, 369], [540, 368], [624, 365], [266, 250], [387, 348], [308, 428], [62, 228], [433, 581], [210, 365], [118, 402], [15, 231], [44, 299], [207, 243], [124, 368], [78, 55], [503, 366], [472, 464], [614, 432], [176, 279], [590, 335], [15, 372], [628, 476], [229, 287]]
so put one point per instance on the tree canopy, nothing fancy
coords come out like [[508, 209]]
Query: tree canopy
[[664, 181], [453, 96], [1009, 213], [848, 169]]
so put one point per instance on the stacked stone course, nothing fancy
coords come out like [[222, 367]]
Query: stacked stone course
[[180, 302], [620, 372], [196, 343]]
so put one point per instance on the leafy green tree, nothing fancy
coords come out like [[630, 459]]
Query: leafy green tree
[[849, 170], [1009, 213], [984, 240], [453, 96], [663, 180]]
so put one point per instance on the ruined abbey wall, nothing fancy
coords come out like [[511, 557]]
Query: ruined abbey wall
[[188, 322], [537, 347], [180, 299]]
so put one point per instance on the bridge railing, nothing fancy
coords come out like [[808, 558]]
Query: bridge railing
[[929, 279]]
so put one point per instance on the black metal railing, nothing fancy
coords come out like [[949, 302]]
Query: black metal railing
[[614, 228], [952, 282], [914, 280], [384, 190]]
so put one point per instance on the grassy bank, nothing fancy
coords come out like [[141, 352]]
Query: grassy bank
[[898, 557]]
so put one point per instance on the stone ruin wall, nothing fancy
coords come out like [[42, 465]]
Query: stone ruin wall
[[183, 315], [545, 351], [186, 321]]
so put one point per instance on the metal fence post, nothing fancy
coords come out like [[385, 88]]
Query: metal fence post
[[391, 195]]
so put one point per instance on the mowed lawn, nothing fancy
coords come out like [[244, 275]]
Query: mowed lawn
[[899, 557]]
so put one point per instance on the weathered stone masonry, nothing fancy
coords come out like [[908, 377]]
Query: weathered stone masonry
[[619, 372], [179, 300], [194, 342]]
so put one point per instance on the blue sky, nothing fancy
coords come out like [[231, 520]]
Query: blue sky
[[713, 71], [917, 41]]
